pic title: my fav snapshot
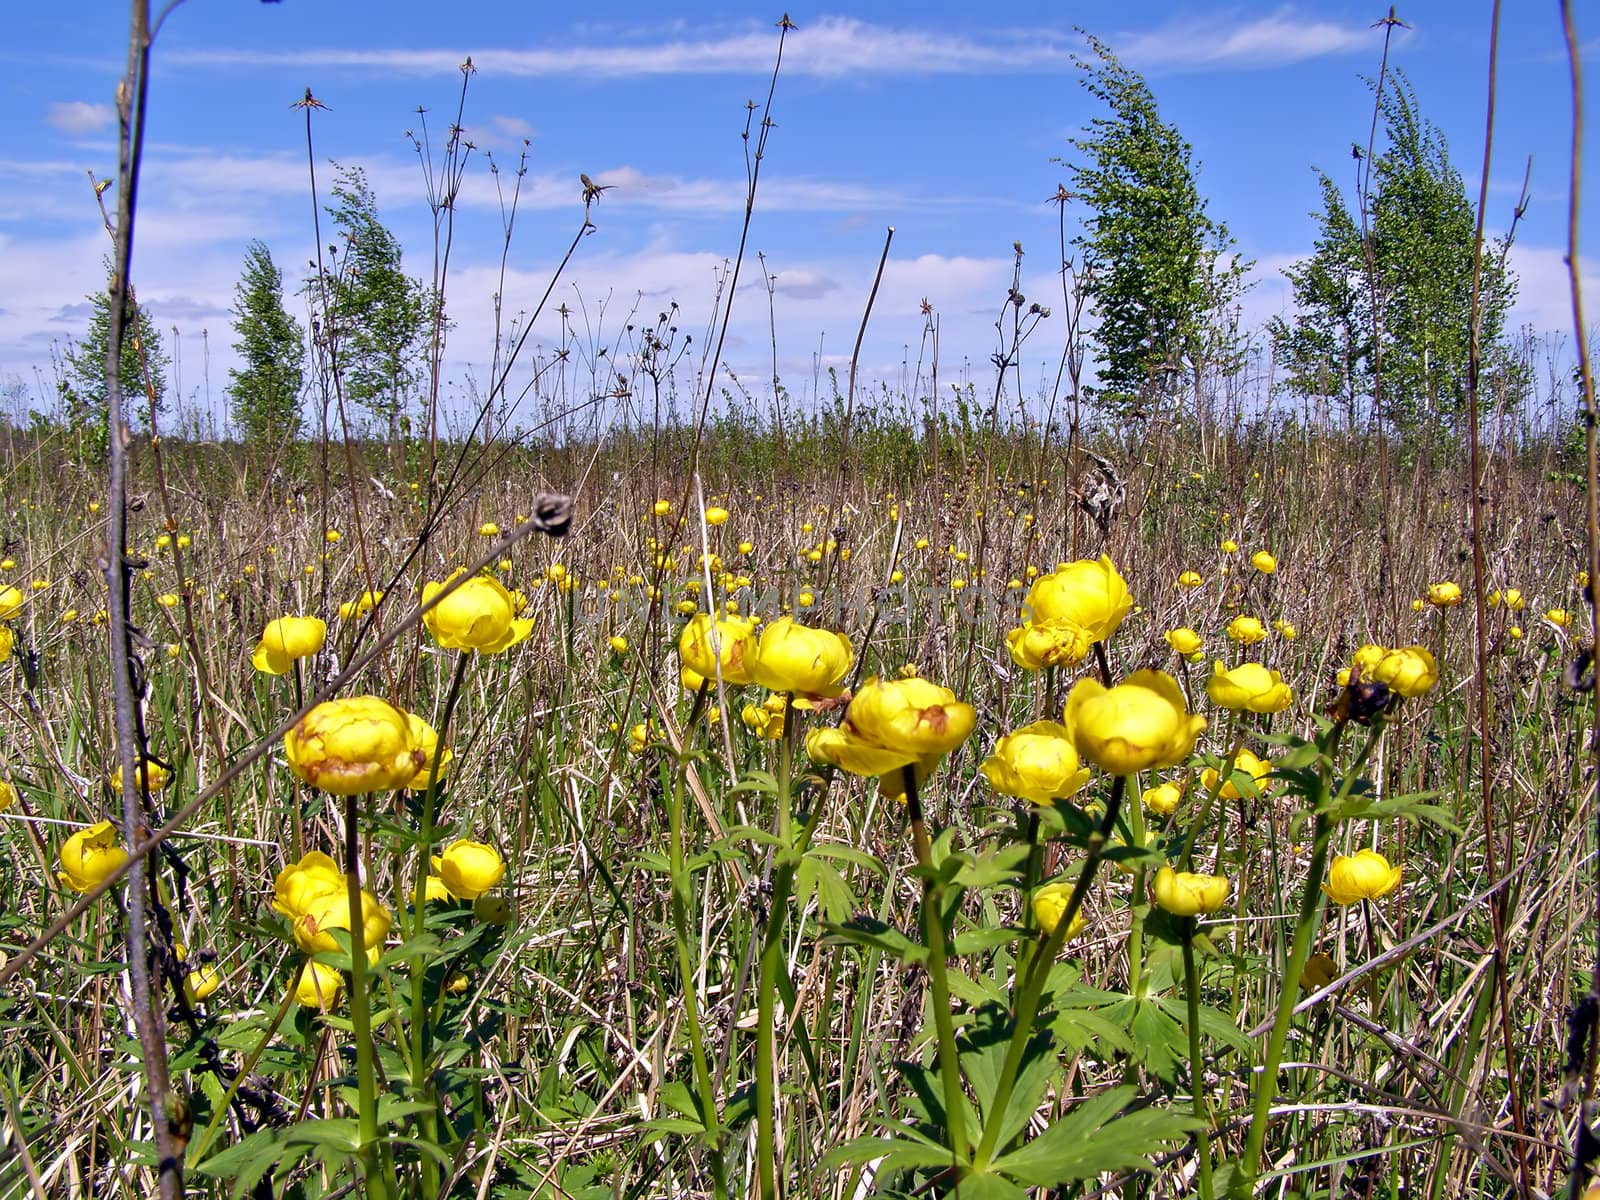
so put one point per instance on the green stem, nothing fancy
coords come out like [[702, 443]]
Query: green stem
[[1136, 906], [682, 905], [377, 1182], [1038, 975], [1030, 881], [767, 980], [955, 1100], [1191, 987], [1300, 947]]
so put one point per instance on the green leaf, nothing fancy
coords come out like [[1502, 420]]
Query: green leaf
[[872, 934], [1093, 1139], [897, 1153], [976, 941]]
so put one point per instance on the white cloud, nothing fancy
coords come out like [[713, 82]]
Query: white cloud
[[1544, 291], [78, 117], [1281, 38]]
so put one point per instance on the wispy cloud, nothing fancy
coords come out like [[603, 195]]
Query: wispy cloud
[[832, 47], [1225, 39], [78, 117]]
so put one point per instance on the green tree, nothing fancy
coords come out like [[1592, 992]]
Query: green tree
[[1399, 301], [271, 345], [1158, 270], [376, 312], [143, 372]]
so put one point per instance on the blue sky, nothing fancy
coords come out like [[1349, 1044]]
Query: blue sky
[[940, 119]]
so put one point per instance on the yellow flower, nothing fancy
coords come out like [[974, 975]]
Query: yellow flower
[[489, 529], [1229, 546], [285, 640], [1037, 762], [1419, 604], [1319, 971], [1049, 904], [426, 738], [766, 719], [478, 615], [1185, 641], [147, 776], [1249, 687], [1364, 875], [470, 869], [1086, 593], [747, 547], [1410, 671], [1163, 799], [1190, 579], [297, 885], [733, 640], [169, 600], [1366, 658], [1559, 617], [201, 982], [7, 641], [1247, 631], [1285, 630], [317, 985], [845, 749], [910, 715], [1263, 562], [356, 744], [1186, 894], [329, 911], [332, 536], [90, 856], [1138, 724], [618, 644], [434, 889], [716, 516], [1444, 595], [791, 657], [1257, 768], [1037, 645], [661, 507]]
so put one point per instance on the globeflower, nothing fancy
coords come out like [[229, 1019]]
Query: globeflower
[[1444, 595], [1049, 904], [470, 869], [1559, 617], [1185, 641], [1141, 723], [716, 516], [298, 885], [426, 738], [285, 640], [1249, 687], [478, 615], [352, 745], [1229, 546], [148, 776], [8, 794], [911, 715], [1257, 769], [1163, 799], [1246, 631], [326, 912], [700, 650], [91, 856], [1364, 875], [1035, 645], [317, 985], [1190, 579], [1262, 561], [1410, 671], [790, 657], [1037, 763], [1187, 894], [10, 602], [766, 719], [1089, 594]]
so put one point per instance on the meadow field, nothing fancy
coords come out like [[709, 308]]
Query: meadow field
[[661, 883], [1175, 776]]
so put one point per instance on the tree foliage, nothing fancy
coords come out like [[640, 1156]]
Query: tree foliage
[[376, 312], [1158, 269], [1395, 308], [265, 391], [142, 373]]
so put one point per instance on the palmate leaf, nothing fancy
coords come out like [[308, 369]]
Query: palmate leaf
[[908, 1151], [872, 934], [1094, 1138]]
